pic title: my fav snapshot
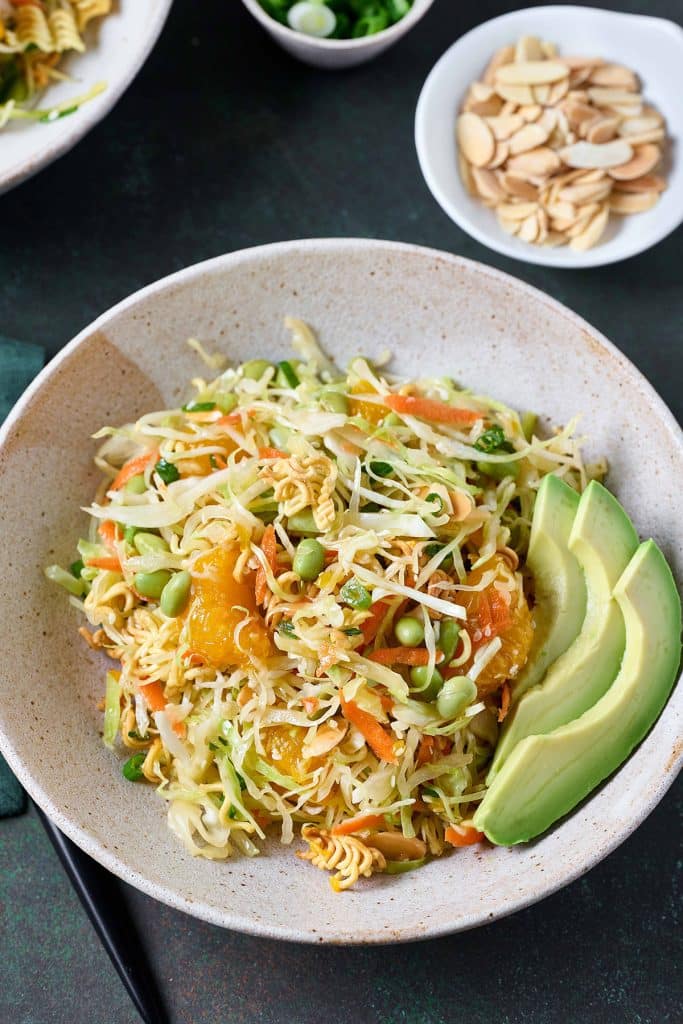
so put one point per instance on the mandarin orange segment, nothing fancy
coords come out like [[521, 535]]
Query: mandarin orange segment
[[283, 747], [368, 410], [217, 610], [490, 614]]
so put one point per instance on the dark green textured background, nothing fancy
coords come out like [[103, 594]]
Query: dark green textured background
[[224, 142]]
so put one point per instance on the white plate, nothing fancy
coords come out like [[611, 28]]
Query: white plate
[[118, 46], [652, 47], [438, 314]]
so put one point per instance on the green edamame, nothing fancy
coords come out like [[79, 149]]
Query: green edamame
[[409, 631], [175, 594], [151, 584], [448, 638], [309, 559], [255, 368], [226, 403], [149, 543], [454, 696], [136, 484], [427, 686]]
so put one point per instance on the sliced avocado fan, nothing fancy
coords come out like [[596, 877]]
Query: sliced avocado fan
[[546, 776], [603, 540], [559, 585]]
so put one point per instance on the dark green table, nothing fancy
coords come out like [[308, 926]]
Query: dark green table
[[224, 142]]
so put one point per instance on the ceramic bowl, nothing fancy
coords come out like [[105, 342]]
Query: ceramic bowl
[[335, 54], [117, 47], [653, 47], [438, 314]]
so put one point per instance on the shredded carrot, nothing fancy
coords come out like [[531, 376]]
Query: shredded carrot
[[425, 752], [429, 409], [110, 563], [462, 835], [132, 468], [370, 627], [154, 695], [351, 825], [377, 738], [504, 702], [229, 421], [109, 532], [271, 453], [310, 704], [269, 549], [403, 656], [386, 701]]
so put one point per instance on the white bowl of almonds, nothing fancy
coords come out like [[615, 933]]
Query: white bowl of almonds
[[550, 134]]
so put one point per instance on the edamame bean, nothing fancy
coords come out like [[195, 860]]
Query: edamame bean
[[409, 631], [427, 687], [255, 368], [309, 559], [226, 403], [448, 638], [149, 543], [151, 584], [175, 594], [136, 484], [335, 402], [455, 695]]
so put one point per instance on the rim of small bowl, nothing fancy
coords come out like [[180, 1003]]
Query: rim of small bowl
[[220, 916], [416, 12], [595, 257], [91, 114]]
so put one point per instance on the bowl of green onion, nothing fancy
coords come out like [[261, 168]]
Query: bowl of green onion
[[337, 33]]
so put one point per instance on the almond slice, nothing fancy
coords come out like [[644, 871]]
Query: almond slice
[[475, 139], [582, 62], [577, 76], [528, 230], [602, 130], [593, 232], [605, 97], [583, 220], [532, 72], [614, 76], [562, 210], [500, 155], [529, 48], [539, 161], [466, 174], [532, 112], [509, 108], [656, 135], [542, 93], [503, 56], [510, 227], [518, 186], [638, 125], [589, 193], [577, 112], [529, 137], [522, 94], [632, 202], [648, 183], [585, 154], [553, 239], [624, 110], [487, 185], [644, 160], [505, 126], [549, 49], [517, 211], [558, 91], [542, 218]]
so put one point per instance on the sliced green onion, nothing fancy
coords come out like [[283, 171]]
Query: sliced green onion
[[132, 768], [76, 568], [354, 594], [398, 867], [312, 19], [287, 371], [353, 631], [167, 471], [434, 498], [199, 407], [381, 468], [493, 440]]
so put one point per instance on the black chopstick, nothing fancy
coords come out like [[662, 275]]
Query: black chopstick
[[99, 892]]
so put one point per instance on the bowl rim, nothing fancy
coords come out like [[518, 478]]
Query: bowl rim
[[594, 257], [91, 113], [223, 917], [387, 35]]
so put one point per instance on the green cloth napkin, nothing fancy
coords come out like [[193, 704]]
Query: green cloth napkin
[[19, 363]]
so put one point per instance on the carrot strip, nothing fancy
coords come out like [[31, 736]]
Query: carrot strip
[[462, 835], [429, 409], [111, 563], [504, 702], [351, 825], [403, 656], [154, 695], [271, 453], [425, 752], [310, 704], [386, 701], [132, 468], [379, 741], [229, 421], [370, 627], [269, 549], [109, 532]]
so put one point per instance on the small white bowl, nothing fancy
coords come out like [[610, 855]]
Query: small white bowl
[[118, 46], [653, 47], [337, 53]]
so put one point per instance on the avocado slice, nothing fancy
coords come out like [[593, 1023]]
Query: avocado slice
[[603, 540], [559, 584], [546, 776]]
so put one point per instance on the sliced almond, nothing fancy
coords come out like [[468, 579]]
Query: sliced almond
[[577, 76], [614, 76], [532, 112], [483, 100], [509, 108], [509, 226], [562, 210], [582, 221], [521, 94], [602, 130], [532, 72], [529, 48], [549, 49], [585, 126], [517, 211], [465, 169], [542, 218], [585, 154], [578, 112], [500, 155], [582, 62], [605, 97], [632, 202], [588, 177], [649, 111], [505, 126], [519, 187], [542, 93], [529, 137], [539, 161], [644, 159], [589, 193], [624, 110], [593, 232], [656, 135], [487, 185], [528, 230], [557, 92], [648, 183], [553, 239], [475, 139], [637, 125], [504, 56]]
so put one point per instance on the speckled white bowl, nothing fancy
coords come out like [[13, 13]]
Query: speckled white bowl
[[335, 54], [653, 47], [118, 46], [438, 313]]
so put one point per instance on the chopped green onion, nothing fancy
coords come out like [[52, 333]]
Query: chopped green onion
[[312, 19], [434, 498], [398, 867], [286, 626], [167, 471], [199, 407], [132, 768], [493, 440], [428, 791], [354, 594], [381, 468], [76, 568], [226, 403], [433, 549], [353, 631], [287, 371]]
